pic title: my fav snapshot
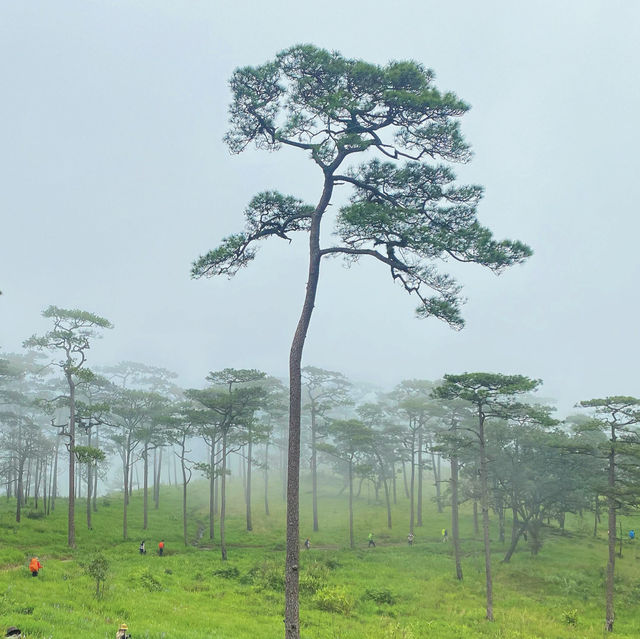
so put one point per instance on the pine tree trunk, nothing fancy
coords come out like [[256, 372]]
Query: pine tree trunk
[[419, 513], [223, 496], [611, 502], [71, 521], [145, 488], [351, 537], [212, 479], [89, 483], [484, 502], [266, 479], [292, 607], [248, 493], [455, 529], [314, 470]]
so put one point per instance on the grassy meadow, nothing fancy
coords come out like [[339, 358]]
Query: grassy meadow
[[392, 591]]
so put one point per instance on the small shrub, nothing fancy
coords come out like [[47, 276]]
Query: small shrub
[[227, 572], [570, 617], [35, 514], [168, 571], [97, 568], [197, 587], [149, 582], [333, 599], [331, 563], [266, 576], [380, 595], [27, 610]]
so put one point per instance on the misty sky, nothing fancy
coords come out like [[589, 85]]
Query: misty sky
[[114, 178]]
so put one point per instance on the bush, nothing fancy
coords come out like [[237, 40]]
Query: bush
[[313, 578], [35, 514], [333, 599], [331, 563], [227, 572], [380, 595], [266, 576], [149, 582], [570, 617], [97, 568]]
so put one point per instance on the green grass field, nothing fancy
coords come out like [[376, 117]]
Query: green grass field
[[393, 591]]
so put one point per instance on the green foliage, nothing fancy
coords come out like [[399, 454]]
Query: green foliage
[[334, 599], [148, 581], [380, 595], [407, 216], [313, 578], [98, 569], [570, 617], [227, 572]]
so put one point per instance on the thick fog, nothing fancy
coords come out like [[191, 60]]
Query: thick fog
[[114, 178]]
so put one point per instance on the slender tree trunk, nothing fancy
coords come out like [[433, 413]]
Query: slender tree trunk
[[393, 479], [36, 485], [54, 490], [404, 477], [314, 470], [212, 479], [157, 480], [596, 516], [125, 501], [387, 501], [266, 479], [248, 492], [515, 537], [216, 489], [223, 496], [89, 483], [611, 503], [351, 537], [419, 513], [19, 491], [476, 527], [438, 479], [292, 608], [184, 495], [95, 478], [412, 483], [484, 502], [145, 487], [71, 536], [455, 529]]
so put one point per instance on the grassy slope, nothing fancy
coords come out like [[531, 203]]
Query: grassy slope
[[180, 596]]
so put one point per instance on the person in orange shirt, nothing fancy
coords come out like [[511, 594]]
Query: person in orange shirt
[[34, 566], [161, 547]]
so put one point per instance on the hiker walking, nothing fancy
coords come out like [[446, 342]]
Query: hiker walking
[[307, 543], [35, 566], [371, 542], [143, 548], [445, 536], [161, 548], [410, 537]]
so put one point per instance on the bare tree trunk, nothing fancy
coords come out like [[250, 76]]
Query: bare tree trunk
[[351, 537], [455, 529], [157, 480], [184, 495], [54, 490], [596, 516], [145, 488], [484, 502], [71, 536], [314, 470], [412, 483], [248, 490], [89, 483], [266, 479], [212, 479], [476, 527], [404, 476], [420, 476], [438, 480], [223, 496], [292, 608], [393, 479], [611, 502]]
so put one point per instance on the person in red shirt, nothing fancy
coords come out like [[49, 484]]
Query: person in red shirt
[[161, 548], [34, 566]]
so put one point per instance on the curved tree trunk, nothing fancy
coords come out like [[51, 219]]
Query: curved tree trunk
[[292, 608]]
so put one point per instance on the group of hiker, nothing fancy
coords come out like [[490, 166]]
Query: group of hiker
[[143, 547], [372, 543]]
